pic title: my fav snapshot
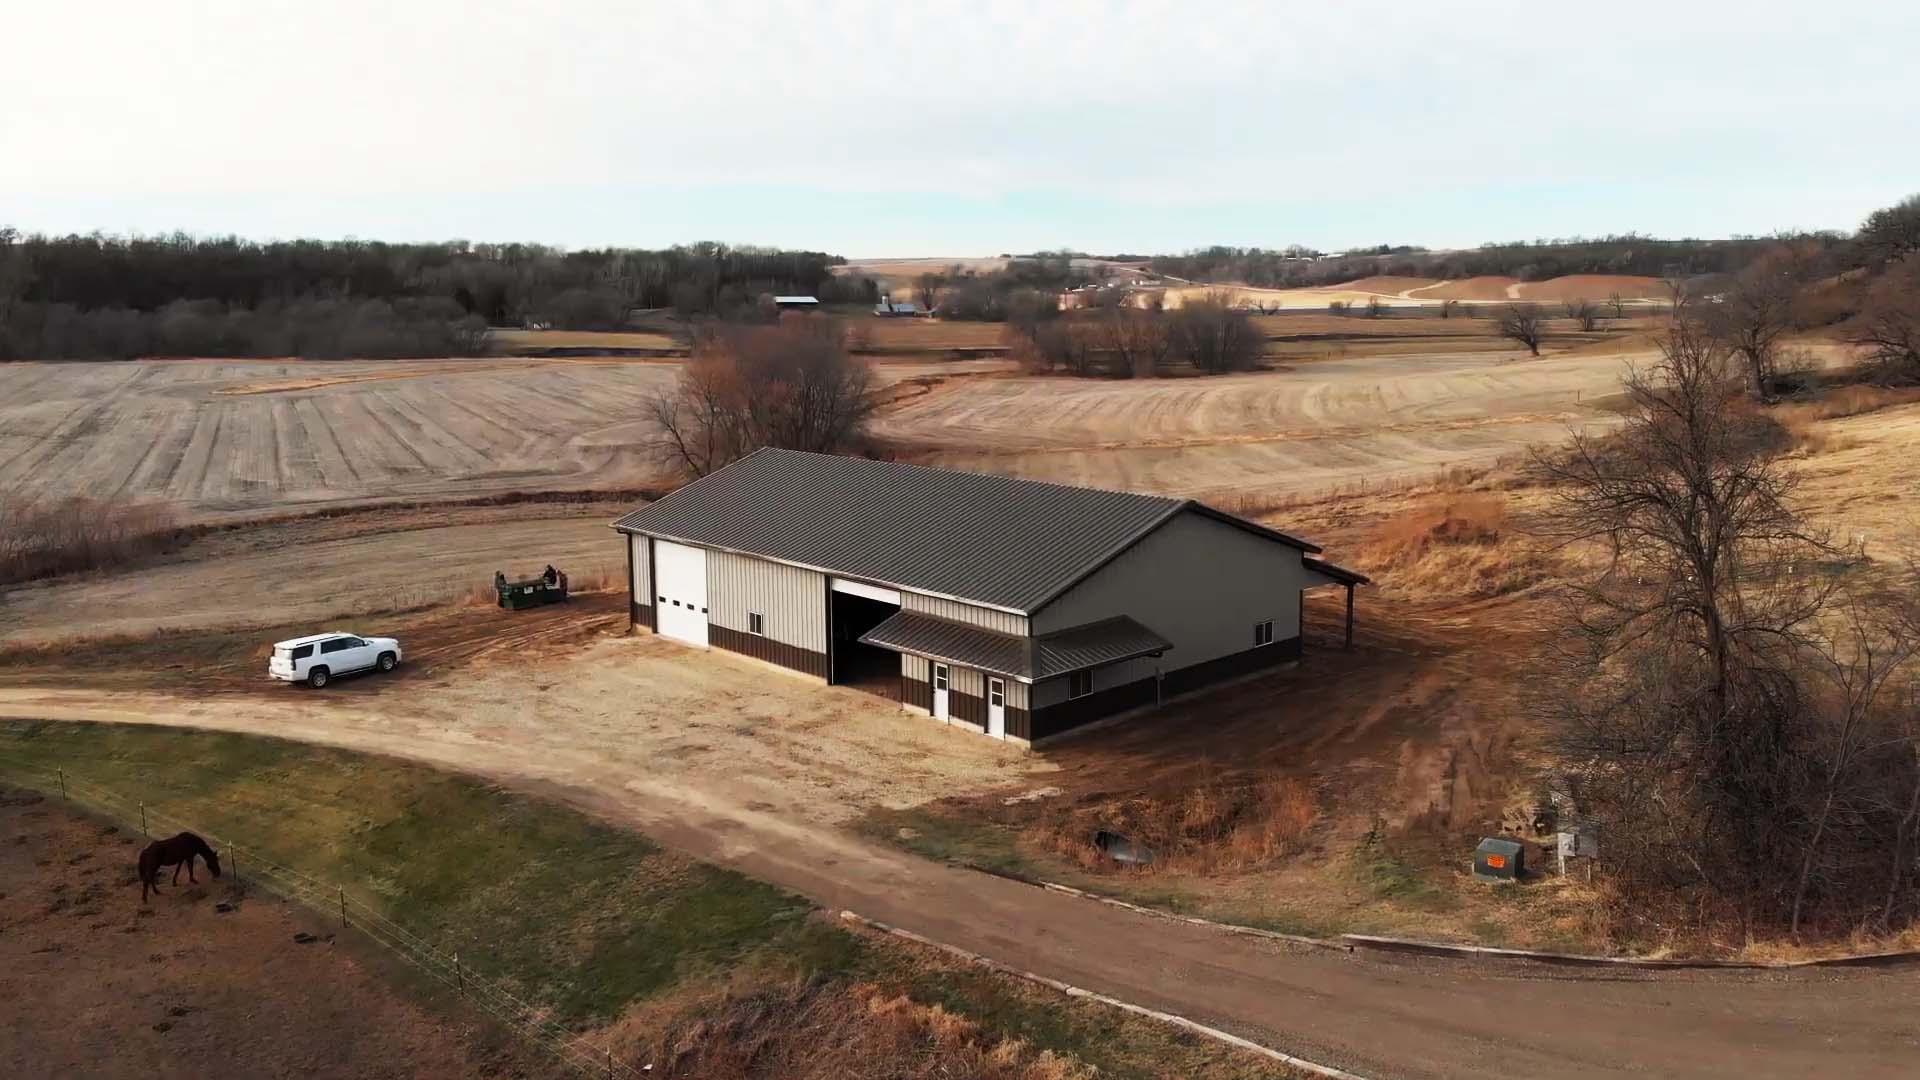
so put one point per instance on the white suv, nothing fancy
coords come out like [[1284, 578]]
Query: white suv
[[319, 657]]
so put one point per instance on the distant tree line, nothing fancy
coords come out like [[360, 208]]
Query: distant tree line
[[1019, 292], [1536, 260], [1207, 335], [109, 296]]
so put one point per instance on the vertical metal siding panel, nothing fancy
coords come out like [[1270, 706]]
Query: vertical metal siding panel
[[913, 667], [791, 601], [968, 681], [642, 573], [1016, 694], [1003, 621]]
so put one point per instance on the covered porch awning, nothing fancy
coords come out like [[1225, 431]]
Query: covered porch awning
[[1090, 645], [1338, 575]]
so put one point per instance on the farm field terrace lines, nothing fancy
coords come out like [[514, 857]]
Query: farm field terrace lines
[[176, 431], [232, 439], [1301, 431]]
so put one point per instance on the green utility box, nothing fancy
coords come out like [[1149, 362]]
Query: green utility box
[[1498, 859], [533, 592]]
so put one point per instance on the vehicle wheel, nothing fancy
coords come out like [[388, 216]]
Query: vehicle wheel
[[387, 661], [317, 678]]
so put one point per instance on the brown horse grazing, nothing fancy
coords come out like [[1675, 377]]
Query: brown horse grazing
[[174, 851]]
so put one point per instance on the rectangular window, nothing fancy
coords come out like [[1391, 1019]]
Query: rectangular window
[[335, 645], [1080, 684], [756, 623], [996, 692], [939, 676], [302, 652], [1263, 633]]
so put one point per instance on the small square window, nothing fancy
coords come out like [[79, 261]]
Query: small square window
[[756, 623], [1080, 684], [1263, 633], [939, 676], [996, 693]]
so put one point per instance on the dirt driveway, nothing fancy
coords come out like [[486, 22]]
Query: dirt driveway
[[742, 765]]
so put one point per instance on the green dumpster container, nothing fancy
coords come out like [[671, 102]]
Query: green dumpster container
[[1498, 859]]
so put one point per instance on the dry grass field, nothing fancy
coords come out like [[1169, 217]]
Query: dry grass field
[[508, 341], [302, 570], [1399, 292], [1327, 424], [233, 439]]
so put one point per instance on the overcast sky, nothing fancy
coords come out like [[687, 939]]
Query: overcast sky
[[957, 128]]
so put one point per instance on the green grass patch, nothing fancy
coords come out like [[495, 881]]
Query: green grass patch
[[1390, 877], [950, 838], [569, 913], [572, 914]]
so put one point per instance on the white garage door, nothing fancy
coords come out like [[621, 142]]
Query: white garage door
[[680, 591]]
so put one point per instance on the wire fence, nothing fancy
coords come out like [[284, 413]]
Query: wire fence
[[253, 869]]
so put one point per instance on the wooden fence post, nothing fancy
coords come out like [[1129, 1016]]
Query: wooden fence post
[[343, 906], [63, 783], [143, 822], [458, 978]]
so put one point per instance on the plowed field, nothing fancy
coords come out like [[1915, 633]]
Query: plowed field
[[226, 439], [1326, 425]]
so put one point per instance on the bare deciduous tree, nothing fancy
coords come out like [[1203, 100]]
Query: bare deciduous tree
[[1137, 341], [1892, 233], [793, 385], [1375, 306], [1739, 753], [1584, 315], [926, 290], [1757, 311], [1214, 336], [1887, 327], [1618, 305], [1522, 323], [1446, 308]]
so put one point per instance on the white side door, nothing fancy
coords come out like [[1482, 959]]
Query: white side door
[[941, 677], [680, 591], [997, 708]]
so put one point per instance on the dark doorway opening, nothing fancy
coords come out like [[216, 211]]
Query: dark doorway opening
[[864, 667]]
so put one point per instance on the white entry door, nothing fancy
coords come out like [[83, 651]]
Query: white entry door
[[680, 591], [997, 708], [941, 676]]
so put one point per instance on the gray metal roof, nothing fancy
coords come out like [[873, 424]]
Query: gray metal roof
[[1338, 573], [1031, 659], [1105, 642], [956, 642], [990, 540]]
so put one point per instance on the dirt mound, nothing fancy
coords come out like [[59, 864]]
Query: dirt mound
[[1594, 287], [1490, 287], [1386, 285]]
